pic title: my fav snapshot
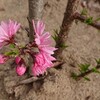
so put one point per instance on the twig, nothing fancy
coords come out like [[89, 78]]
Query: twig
[[26, 29], [83, 18], [29, 80], [86, 73], [56, 64], [33, 79]]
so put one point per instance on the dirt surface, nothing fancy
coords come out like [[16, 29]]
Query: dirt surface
[[83, 47]]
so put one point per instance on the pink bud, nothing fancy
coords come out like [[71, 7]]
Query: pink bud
[[17, 59], [20, 70], [2, 59]]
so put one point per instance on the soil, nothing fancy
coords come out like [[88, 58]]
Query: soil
[[83, 47]]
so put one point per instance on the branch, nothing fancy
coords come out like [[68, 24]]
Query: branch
[[35, 12], [87, 73], [33, 79], [66, 24], [83, 18], [29, 80]]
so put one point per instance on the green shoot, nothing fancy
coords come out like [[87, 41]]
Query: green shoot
[[95, 70], [74, 75], [89, 20], [84, 67], [55, 37], [86, 78]]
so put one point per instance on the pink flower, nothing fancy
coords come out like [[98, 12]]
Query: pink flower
[[48, 49], [20, 70], [43, 39], [39, 28], [44, 58], [7, 32], [2, 59], [42, 62], [37, 70]]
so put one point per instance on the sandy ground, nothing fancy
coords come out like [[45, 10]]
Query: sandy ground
[[84, 47]]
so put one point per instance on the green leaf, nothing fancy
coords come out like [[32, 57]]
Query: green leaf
[[89, 20], [86, 78], [63, 46], [12, 46], [56, 31], [84, 11], [97, 61], [9, 53], [95, 70], [74, 75], [98, 19], [55, 37], [12, 53], [84, 67]]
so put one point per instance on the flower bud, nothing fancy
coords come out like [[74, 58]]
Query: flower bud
[[20, 70], [2, 59], [17, 59]]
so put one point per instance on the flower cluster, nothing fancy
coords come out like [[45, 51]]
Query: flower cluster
[[42, 59]]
